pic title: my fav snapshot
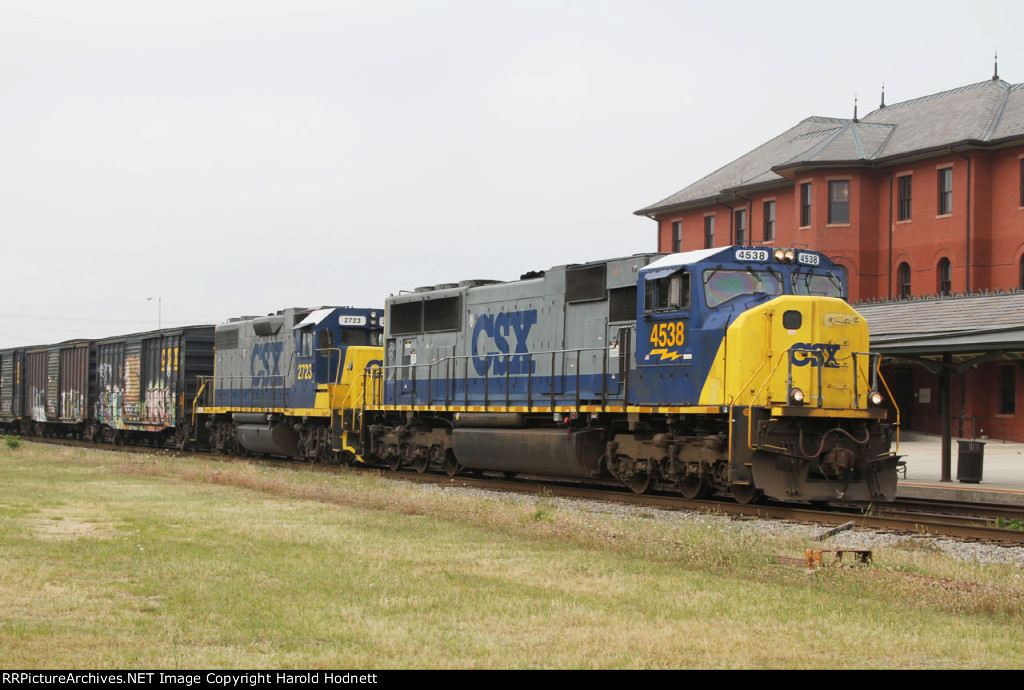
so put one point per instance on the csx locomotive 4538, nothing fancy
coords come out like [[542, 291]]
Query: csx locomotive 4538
[[735, 370]]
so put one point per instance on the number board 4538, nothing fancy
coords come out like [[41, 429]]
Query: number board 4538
[[752, 255]]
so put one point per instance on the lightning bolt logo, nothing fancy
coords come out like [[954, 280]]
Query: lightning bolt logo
[[665, 354]]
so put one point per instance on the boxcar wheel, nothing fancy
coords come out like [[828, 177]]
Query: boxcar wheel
[[181, 438]]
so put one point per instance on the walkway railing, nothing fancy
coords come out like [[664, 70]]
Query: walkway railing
[[440, 387]]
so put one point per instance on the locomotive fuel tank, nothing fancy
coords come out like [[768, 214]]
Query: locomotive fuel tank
[[553, 452]]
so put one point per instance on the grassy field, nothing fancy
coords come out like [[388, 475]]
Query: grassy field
[[126, 561]]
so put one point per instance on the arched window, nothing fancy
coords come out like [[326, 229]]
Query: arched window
[[1021, 269], [944, 274], [903, 281]]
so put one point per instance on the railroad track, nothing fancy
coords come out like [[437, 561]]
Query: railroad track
[[954, 519]]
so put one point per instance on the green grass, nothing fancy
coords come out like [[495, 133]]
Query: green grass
[[1009, 523], [109, 560]]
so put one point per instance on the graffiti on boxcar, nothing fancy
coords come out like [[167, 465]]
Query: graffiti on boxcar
[[37, 404], [72, 405], [132, 371], [158, 407]]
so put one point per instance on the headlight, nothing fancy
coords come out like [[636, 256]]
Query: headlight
[[875, 398], [786, 256], [796, 396]]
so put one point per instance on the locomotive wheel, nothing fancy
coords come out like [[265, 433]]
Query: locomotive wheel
[[394, 462], [451, 465], [639, 483], [694, 488], [421, 463], [746, 494]]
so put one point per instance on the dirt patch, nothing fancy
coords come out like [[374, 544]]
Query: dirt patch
[[64, 523]]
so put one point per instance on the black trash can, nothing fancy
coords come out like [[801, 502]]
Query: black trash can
[[970, 458]]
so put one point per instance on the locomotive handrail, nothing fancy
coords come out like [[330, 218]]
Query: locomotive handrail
[[894, 405], [450, 363], [202, 380], [352, 389], [875, 365], [233, 385], [750, 426], [820, 356], [874, 361]]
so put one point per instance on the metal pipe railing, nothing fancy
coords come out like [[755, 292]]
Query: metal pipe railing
[[449, 365]]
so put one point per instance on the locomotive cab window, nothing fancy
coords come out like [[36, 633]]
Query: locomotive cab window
[[306, 342], [817, 285], [722, 285], [668, 293], [326, 339]]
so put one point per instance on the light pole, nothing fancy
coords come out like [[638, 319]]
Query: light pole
[[159, 311]]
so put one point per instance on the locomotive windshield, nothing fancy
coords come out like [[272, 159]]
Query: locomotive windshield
[[360, 337], [722, 285], [829, 285]]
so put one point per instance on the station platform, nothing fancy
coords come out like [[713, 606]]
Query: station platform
[[1002, 476]]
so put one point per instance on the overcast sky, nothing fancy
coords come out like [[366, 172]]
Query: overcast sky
[[236, 158]]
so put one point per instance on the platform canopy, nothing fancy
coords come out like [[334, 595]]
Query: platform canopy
[[948, 336], [966, 327]]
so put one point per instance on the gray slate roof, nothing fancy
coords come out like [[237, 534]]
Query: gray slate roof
[[982, 113], [962, 323]]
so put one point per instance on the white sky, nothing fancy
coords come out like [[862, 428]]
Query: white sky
[[238, 157]]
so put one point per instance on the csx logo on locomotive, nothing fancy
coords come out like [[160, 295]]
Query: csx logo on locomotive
[[496, 329], [816, 354], [265, 363]]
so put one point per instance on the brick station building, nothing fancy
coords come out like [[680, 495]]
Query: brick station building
[[919, 199]]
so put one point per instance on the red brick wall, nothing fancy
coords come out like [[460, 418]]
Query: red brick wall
[[996, 244], [980, 405]]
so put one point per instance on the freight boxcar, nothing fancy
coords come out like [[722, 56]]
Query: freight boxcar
[[146, 383], [59, 382], [12, 388]]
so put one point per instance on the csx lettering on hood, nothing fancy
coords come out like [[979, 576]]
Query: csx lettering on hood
[[492, 335]]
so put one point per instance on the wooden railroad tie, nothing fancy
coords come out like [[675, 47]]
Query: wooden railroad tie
[[814, 556]]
